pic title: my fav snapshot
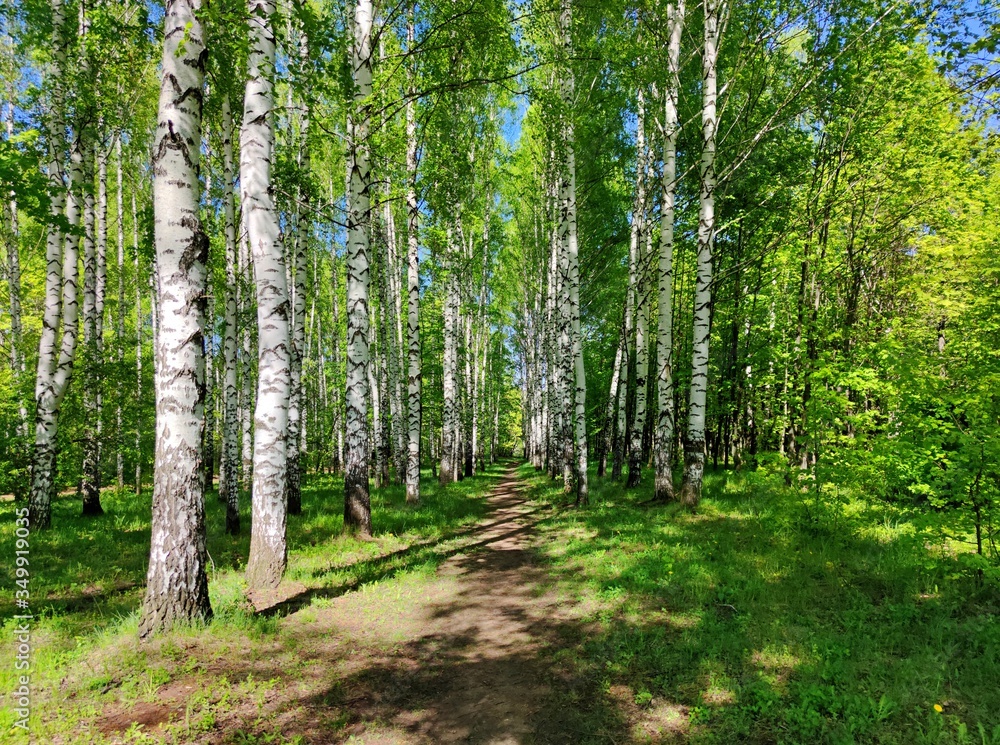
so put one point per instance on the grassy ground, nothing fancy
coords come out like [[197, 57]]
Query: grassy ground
[[767, 617], [87, 578], [770, 618]]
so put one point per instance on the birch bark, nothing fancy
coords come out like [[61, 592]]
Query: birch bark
[[694, 451], [177, 583], [638, 237], [55, 356], [229, 486], [664, 484], [579, 402], [357, 501], [413, 377], [449, 428], [268, 547], [298, 289]]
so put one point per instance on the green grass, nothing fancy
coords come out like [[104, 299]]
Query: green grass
[[773, 617], [770, 616], [88, 576]]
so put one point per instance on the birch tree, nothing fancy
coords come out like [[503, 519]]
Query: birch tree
[[268, 548], [177, 582], [357, 501], [229, 487], [55, 362], [573, 260], [663, 442], [413, 377], [638, 250], [694, 450]]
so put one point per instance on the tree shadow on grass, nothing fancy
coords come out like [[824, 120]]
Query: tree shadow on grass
[[776, 620]]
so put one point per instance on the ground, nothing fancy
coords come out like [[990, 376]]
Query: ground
[[513, 618]]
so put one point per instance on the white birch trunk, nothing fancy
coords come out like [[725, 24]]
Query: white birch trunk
[[298, 293], [229, 487], [663, 442], [694, 454], [638, 248], [91, 486], [244, 306], [413, 377], [449, 429], [579, 402], [357, 500], [177, 582], [138, 348], [268, 547], [17, 364], [61, 255], [120, 312]]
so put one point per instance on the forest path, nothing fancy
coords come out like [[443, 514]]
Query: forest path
[[457, 656]]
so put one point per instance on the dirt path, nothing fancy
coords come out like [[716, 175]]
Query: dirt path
[[456, 658], [483, 651]]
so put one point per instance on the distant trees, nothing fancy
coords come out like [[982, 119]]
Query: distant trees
[[489, 234]]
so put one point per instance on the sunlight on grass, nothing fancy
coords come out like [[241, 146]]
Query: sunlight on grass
[[88, 577], [777, 616]]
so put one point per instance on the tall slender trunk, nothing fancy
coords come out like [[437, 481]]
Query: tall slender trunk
[[664, 486], [244, 307], [638, 238], [449, 428], [138, 348], [17, 364], [210, 391], [609, 434], [621, 425], [229, 487], [55, 358], [91, 486], [177, 582], [413, 377], [338, 366], [357, 500], [297, 286], [120, 313], [694, 452], [573, 260], [268, 547]]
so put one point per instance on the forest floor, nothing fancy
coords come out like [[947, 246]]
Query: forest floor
[[495, 613]]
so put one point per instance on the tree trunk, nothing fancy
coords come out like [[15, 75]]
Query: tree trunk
[[357, 501], [91, 472], [120, 315], [268, 548], [664, 486], [55, 363], [449, 414], [694, 453], [138, 349], [573, 257], [229, 487], [413, 378], [177, 582], [638, 236], [297, 286]]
